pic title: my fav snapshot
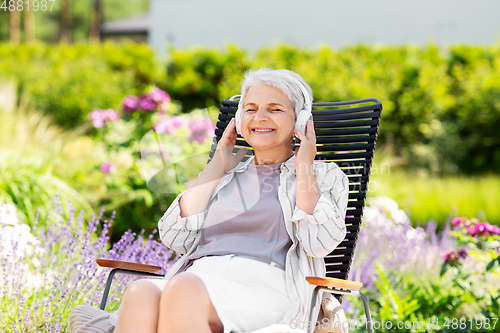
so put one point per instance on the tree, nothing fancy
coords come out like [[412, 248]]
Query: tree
[[95, 22], [15, 26], [29, 26], [65, 32]]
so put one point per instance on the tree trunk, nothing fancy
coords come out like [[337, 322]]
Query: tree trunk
[[95, 22], [65, 32], [15, 26], [29, 25]]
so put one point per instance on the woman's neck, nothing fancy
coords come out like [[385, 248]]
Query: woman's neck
[[263, 158]]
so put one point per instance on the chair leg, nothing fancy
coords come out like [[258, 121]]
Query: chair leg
[[367, 312], [106, 289], [123, 271]]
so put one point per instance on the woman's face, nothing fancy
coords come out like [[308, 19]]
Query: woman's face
[[267, 108]]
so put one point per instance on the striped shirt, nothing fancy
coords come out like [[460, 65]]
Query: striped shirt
[[313, 235]]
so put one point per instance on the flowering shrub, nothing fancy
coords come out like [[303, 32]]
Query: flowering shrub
[[46, 272], [387, 239], [147, 136], [412, 274]]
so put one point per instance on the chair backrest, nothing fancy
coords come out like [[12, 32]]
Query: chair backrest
[[346, 133]]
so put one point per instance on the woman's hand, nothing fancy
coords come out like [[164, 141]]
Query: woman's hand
[[225, 147], [307, 151]]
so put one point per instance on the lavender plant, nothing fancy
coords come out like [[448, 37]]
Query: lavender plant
[[47, 271]]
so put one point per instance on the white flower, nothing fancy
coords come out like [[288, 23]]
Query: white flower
[[8, 214], [390, 209]]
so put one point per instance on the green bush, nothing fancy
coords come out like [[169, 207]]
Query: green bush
[[441, 109], [69, 81]]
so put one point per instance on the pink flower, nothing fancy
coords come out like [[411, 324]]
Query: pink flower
[[110, 114], [453, 256], [471, 230], [480, 228], [157, 95], [456, 221], [108, 167], [147, 104], [130, 103], [97, 117], [493, 229], [170, 125], [201, 129], [448, 256]]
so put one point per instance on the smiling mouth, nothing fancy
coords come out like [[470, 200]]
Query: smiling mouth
[[268, 130]]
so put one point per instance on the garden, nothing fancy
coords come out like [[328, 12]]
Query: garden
[[96, 140]]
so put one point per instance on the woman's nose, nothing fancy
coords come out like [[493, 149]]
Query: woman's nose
[[261, 114]]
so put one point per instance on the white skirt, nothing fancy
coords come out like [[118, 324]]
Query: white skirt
[[247, 294]]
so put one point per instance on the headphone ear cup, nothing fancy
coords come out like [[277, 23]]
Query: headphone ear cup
[[304, 116], [238, 123]]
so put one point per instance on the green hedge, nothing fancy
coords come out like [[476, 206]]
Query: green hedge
[[69, 81], [441, 107]]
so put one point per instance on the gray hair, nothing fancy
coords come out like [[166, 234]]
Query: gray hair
[[283, 79]]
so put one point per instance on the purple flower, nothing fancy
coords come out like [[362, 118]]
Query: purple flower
[[71, 276], [130, 103], [170, 125], [97, 117], [157, 95], [201, 129], [462, 253], [108, 167], [146, 104]]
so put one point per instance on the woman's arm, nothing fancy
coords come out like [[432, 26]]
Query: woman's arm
[[322, 192], [197, 196], [185, 217], [321, 229]]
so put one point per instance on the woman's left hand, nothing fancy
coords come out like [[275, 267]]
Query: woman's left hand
[[307, 151]]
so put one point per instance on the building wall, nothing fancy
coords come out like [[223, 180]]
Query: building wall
[[308, 23]]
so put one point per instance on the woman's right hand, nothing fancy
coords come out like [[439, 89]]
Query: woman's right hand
[[225, 146]]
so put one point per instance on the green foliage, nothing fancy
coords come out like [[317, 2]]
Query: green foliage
[[69, 81], [429, 197], [441, 110], [31, 150]]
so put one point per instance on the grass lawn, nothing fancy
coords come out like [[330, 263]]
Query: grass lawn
[[425, 197]]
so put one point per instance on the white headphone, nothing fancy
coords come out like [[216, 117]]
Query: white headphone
[[303, 115]]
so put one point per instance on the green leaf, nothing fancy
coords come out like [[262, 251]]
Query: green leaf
[[491, 264]]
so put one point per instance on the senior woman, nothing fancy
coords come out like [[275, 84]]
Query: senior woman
[[250, 231]]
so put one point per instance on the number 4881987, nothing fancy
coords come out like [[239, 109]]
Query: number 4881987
[[20, 5]]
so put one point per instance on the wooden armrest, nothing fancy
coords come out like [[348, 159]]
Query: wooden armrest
[[333, 283], [128, 265]]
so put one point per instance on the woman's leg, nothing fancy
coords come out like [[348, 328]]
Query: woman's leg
[[139, 308], [186, 307]]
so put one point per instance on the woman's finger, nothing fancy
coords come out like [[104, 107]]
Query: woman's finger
[[311, 135]]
